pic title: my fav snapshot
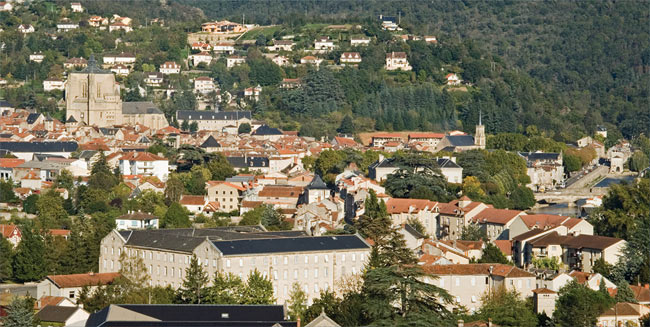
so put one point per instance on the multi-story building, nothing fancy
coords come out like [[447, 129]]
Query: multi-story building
[[53, 83], [227, 194], [121, 58], [137, 220], [350, 58], [324, 43], [201, 57], [316, 263], [170, 67], [203, 85], [144, 163], [544, 169], [466, 283], [214, 121], [397, 61], [424, 211]]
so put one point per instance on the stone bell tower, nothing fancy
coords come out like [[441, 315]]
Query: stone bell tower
[[479, 136]]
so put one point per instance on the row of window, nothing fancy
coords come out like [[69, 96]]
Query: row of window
[[296, 259]]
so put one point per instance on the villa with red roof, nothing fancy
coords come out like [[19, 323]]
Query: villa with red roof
[[404, 210]]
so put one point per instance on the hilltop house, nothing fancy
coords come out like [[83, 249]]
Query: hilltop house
[[397, 61]]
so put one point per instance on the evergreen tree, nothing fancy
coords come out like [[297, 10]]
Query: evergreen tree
[[29, 204], [327, 302], [20, 313], [347, 126], [492, 254], [624, 293], [101, 176], [176, 217], [174, 188], [51, 213], [472, 232], [259, 289], [28, 262], [297, 303], [6, 191], [244, 128], [196, 279], [6, 258]]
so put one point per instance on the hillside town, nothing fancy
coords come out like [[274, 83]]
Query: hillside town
[[164, 190]]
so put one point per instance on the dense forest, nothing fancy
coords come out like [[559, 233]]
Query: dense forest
[[543, 63]]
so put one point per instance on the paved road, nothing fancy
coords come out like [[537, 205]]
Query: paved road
[[582, 180], [19, 289]]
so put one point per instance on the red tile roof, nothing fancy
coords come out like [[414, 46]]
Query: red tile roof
[[80, 280], [478, 269], [7, 230], [395, 205], [274, 191], [505, 246], [195, 200], [426, 135], [10, 162], [235, 186], [496, 216]]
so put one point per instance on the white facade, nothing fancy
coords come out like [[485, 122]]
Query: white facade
[[203, 85], [235, 61], [158, 167], [52, 84], [170, 68], [66, 27], [201, 57], [397, 61]]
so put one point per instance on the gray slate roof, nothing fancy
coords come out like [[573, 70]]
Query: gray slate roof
[[140, 108], [93, 68], [460, 140], [210, 142], [211, 115], [252, 162], [267, 130], [446, 163], [24, 147], [141, 315], [280, 245], [317, 184], [53, 313], [31, 118]]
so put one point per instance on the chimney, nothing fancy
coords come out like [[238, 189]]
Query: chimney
[[298, 322], [461, 323]]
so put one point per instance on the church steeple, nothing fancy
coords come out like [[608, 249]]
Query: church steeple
[[479, 136]]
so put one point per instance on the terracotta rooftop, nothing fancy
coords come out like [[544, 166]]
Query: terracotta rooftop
[[141, 156], [496, 216], [478, 269], [194, 200], [80, 280], [505, 246], [395, 205]]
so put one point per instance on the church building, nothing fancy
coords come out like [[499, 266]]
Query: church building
[[92, 97]]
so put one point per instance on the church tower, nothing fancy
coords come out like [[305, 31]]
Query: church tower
[[479, 136], [92, 96]]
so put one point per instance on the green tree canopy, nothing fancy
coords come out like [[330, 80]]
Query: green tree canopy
[[194, 282], [176, 217], [506, 308], [579, 306], [492, 254]]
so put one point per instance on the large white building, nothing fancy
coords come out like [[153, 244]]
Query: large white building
[[144, 163], [316, 263]]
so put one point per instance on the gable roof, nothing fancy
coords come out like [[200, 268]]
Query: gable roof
[[210, 142], [195, 200], [596, 242], [317, 184], [80, 280], [267, 130], [501, 270], [496, 216], [59, 314]]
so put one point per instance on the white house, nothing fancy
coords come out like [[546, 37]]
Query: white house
[[76, 7], [53, 315], [281, 45], [253, 92], [233, 61], [170, 67], [203, 85], [26, 28], [194, 203], [350, 58], [69, 286], [324, 43], [153, 78], [223, 48], [281, 61], [52, 84], [66, 26], [6, 6], [397, 61], [37, 57], [453, 79], [311, 60], [120, 26], [137, 220], [121, 70], [200, 57], [144, 163], [359, 41], [121, 58]]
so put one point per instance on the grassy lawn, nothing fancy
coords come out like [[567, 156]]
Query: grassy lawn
[[267, 31]]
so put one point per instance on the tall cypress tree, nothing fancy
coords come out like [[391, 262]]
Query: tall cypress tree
[[6, 258], [195, 280], [28, 262]]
